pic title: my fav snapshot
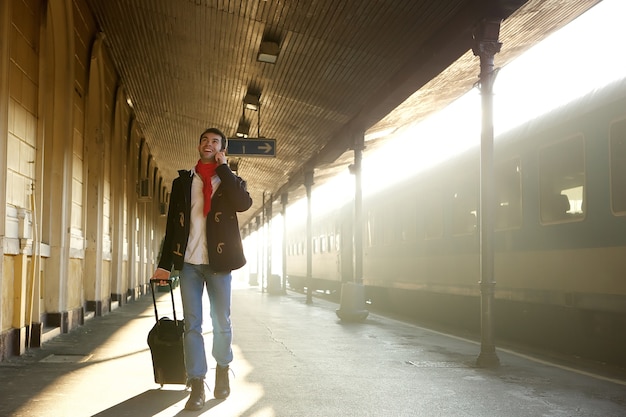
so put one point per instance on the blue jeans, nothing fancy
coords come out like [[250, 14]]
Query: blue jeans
[[193, 280]]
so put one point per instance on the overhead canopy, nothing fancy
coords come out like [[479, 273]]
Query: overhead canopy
[[341, 68]]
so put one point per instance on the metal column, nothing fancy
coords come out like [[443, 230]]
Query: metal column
[[308, 183], [486, 45], [270, 285], [284, 200], [265, 254], [254, 279], [352, 305], [357, 229]]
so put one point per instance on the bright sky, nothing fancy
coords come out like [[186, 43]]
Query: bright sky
[[571, 62]]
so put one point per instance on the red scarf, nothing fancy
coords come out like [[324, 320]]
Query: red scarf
[[206, 171]]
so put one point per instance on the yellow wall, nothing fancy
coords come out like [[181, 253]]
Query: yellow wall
[[75, 284], [53, 123], [105, 283], [7, 293], [23, 92]]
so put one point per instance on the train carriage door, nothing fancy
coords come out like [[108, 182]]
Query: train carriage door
[[618, 166]]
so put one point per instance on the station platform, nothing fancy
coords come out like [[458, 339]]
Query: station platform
[[297, 359]]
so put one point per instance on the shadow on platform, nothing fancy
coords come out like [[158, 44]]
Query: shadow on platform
[[148, 403], [154, 402]]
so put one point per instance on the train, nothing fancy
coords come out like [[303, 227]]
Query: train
[[559, 237]]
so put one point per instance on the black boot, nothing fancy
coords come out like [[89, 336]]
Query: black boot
[[222, 387], [196, 398]]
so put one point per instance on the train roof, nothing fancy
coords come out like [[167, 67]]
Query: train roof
[[594, 99], [591, 101]]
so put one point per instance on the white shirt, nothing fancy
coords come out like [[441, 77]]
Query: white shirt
[[196, 252]]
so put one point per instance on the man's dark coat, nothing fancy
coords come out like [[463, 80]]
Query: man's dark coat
[[222, 227]]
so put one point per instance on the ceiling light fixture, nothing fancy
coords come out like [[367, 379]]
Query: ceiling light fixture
[[268, 52], [243, 129], [252, 101]]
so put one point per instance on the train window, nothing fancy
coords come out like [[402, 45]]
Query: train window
[[508, 195], [337, 242], [464, 208], [432, 204], [618, 166], [562, 181]]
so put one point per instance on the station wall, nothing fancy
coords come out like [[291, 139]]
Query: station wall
[[82, 224]]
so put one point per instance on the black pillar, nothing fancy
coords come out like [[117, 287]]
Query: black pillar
[[271, 280], [263, 267], [284, 200], [486, 45], [352, 304], [357, 227], [308, 183], [254, 277]]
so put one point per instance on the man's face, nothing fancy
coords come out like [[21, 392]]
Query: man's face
[[210, 144]]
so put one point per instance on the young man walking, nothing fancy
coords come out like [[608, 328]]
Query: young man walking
[[202, 241]]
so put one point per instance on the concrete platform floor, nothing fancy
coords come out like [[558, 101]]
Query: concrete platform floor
[[294, 359]]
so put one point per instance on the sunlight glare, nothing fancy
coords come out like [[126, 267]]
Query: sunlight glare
[[568, 64]]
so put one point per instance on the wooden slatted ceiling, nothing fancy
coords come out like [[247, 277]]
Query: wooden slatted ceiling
[[187, 64]]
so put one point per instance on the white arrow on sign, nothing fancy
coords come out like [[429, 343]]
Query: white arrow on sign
[[266, 147]]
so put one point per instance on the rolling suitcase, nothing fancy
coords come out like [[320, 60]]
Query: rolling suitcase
[[165, 340]]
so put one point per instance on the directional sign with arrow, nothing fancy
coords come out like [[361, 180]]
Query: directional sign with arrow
[[252, 147]]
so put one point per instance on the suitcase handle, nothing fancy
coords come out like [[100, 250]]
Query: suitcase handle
[[153, 282]]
